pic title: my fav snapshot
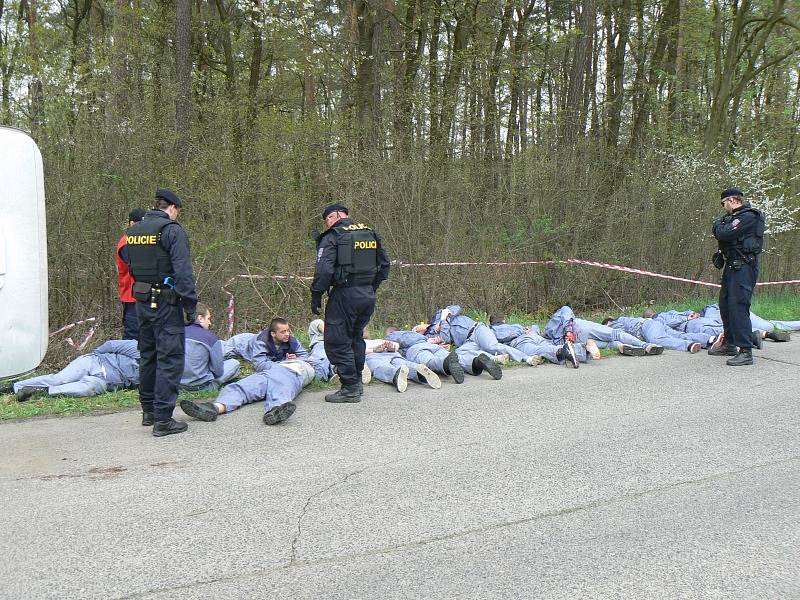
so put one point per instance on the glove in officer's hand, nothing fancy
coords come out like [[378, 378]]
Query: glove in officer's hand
[[316, 303], [191, 317]]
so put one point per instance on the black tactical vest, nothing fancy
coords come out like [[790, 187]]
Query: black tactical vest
[[751, 242], [356, 255], [149, 261]]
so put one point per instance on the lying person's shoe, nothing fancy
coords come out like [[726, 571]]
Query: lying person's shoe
[[454, 368], [202, 411], [566, 354], [779, 336], [366, 375], [592, 349], [534, 360], [280, 413], [653, 349], [694, 348], [483, 363], [7, 388], [757, 338], [25, 392], [429, 377], [162, 428], [628, 350], [401, 379]]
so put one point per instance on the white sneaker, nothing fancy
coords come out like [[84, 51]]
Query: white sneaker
[[501, 358], [592, 349], [431, 378], [401, 379], [366, 375], [534, 360]]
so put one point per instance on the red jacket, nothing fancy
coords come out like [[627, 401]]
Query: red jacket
[[124, 277]]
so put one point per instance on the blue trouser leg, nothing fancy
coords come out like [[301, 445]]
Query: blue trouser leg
[[318, 354], [384, 366], [161, 350], [487, 341], [430, 355], [252, 388], [130, 321], [466, 353], [230, 369], [606, 337], [760, 324], [284, 386], [347, 313], [88, 385], [697, 326], [74, 371], [737, 291], [655, 332]]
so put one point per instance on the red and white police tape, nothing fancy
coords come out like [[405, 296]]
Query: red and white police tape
[[86, 339], [568, 261]]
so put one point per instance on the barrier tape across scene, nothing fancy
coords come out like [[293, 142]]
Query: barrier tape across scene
[[568, 261]]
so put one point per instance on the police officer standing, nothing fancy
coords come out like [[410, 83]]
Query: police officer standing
[[351, 264], [739, 234], [164, 288]]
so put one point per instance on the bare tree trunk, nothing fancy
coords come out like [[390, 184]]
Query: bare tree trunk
[[572, 123], [183, 78]]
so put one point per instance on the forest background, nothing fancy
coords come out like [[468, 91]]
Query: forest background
[[471, 130]]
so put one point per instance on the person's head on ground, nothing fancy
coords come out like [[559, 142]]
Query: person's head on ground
[[389, 330], [168, 201], [334, 213], [607, 320], [136, 215], [497, 319], [421, 328], [731, 199], [649, 313], [203, 316], [280, 330]]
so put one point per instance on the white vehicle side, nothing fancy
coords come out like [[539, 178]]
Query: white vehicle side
[[23, 254]]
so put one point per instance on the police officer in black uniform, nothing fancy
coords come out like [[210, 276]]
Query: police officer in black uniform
[[351, 264], [164, 288], [740, 235]]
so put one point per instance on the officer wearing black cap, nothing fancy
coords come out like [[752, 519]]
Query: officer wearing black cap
[[740, 235], [164, 288], [351, 264]]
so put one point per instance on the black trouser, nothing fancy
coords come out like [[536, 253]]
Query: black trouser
[[734, 303], [347, 313], [161, 347], [130, 321]]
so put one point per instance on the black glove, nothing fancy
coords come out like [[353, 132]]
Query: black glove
[[316, 303], [191, 316], [718, 260]]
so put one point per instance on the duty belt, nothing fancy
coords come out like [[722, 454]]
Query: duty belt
[[471, 331]]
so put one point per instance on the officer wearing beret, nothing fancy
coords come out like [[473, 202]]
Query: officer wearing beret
[[164, 288], [740, 235], [351, 264]]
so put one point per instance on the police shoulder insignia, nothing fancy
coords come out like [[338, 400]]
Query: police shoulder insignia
[[735, 223]]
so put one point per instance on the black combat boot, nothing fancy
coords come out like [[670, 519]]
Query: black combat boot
[[483, 363], [7, 388], [725, 349], [280, 413], [148, 420], [202, 411], [348, 393], [745, 357], [453, 368], [162, 428]]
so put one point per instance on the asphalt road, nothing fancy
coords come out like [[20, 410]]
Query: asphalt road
[[653, 477]]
